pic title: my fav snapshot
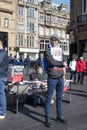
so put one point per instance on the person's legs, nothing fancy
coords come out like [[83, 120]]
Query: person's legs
[[82, 77], [71, 74], [59, 94], [74, 77], [2, 97], [51, 86], [78, 77], [28, 69]]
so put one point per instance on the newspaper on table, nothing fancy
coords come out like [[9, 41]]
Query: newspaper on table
[[57, 53]]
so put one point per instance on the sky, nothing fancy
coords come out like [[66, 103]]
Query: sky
[[66, 2]]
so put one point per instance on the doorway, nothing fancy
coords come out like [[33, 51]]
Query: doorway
[[4, 38]]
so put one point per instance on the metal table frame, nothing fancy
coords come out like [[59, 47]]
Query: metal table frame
[[28, 84]]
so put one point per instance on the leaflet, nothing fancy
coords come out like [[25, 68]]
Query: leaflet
[[57, 53]]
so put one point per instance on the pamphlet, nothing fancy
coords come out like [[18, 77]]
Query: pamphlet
[[57, 53]]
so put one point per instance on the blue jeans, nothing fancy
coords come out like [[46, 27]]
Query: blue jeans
[[27, 67], [57, 84], [2, 96]]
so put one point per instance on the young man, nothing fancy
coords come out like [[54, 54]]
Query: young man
[[3, 77], [55, 79]]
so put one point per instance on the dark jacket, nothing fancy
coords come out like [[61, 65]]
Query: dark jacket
[[37, 76], [27, 61], [3, 63], [54, 68], [41, 63]]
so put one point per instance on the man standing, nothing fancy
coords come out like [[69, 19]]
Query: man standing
[[3, 77], [55, 79]]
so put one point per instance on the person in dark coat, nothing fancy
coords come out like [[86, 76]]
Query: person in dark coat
[[4, 61], [55, 79], [27, 63], [41, 62]]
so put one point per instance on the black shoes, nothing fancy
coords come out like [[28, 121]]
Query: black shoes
[[48, 124], [61, 120]]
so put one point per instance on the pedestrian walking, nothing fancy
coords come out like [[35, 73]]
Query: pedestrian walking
[[27, 63], [55, 79], [81, 68], [72, 67], [4, 60]]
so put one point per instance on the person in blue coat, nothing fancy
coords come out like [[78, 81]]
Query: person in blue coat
[[41, 62]]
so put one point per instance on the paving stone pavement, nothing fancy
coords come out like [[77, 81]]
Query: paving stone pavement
[[31, 118]]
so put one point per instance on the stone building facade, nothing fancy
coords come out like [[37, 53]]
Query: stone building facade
[[26, 26], [8, 24], [53, 19], [78, 28]]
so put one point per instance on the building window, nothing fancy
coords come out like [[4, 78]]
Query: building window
[[20, 24], [30, 26], [64, 21], [52, 31], [52, 19], [20, 10], [43, 45], [59, 20], [30, 12], [30, 1], [41, 31], [47, 17], [47, 31], [30, 41], [41, 17], [84, 6], [20, 0], [20, 39], [6, 22], [47, 5]]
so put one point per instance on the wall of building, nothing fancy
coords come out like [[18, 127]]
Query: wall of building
[[8, 24], [16, 30], [78, 27], [53, 19]]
